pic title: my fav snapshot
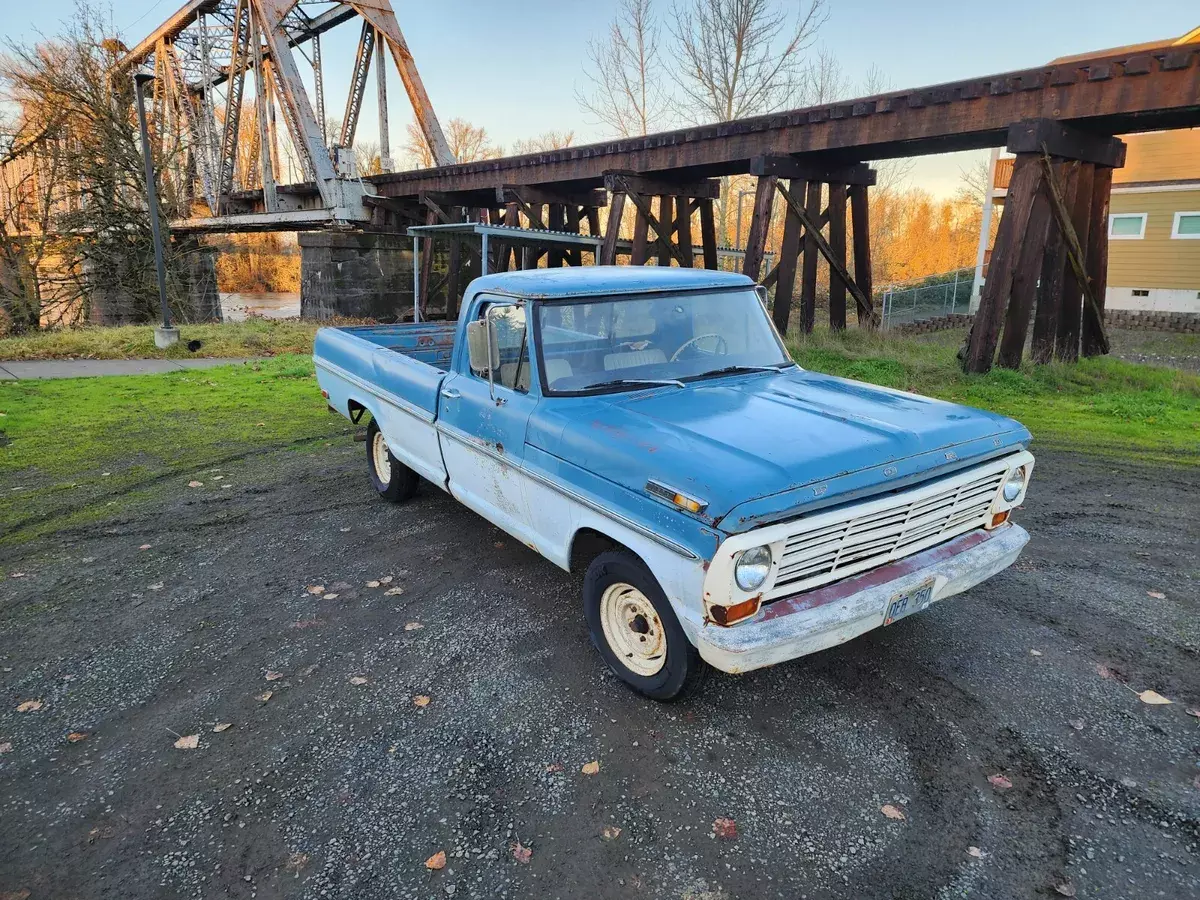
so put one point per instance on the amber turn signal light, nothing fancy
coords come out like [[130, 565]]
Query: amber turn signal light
[[727, 615], [999, 518]]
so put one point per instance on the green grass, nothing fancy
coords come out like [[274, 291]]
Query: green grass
[[1101, 405], [256, 337], [75, 449]]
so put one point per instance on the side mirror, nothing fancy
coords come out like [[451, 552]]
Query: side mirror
[[477, 346], [763, 295]]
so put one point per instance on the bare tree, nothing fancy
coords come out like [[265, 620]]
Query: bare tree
[[625, 91], [467, 142], [741, 58], [547, 140]]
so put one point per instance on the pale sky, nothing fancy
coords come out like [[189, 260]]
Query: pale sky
[[512, 66]]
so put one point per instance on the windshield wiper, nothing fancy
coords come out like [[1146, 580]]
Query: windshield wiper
[[729, 370], [621, 382]]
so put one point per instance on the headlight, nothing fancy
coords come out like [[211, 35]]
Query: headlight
[[1015, 484], [752, 568]]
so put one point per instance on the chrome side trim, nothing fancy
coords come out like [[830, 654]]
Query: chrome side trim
[[406, 405], [463, 438]]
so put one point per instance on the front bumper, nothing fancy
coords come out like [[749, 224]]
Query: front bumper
[[814, 620]]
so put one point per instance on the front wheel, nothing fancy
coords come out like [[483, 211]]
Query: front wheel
[[391, 478], [633, 626]]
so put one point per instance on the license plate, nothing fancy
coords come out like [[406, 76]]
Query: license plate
[[909, 602]]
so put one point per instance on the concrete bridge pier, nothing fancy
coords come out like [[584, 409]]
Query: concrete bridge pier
[[362, 275]]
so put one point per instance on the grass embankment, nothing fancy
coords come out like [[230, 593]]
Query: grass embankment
[[1099, 405], [256, 337], [74, 450]]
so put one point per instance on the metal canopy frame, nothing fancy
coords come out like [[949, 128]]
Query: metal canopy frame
[[516, 237]]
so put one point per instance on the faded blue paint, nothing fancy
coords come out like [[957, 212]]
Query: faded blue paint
[[758, 447]]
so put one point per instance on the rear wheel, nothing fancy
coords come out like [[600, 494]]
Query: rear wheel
[[634, 628], [391, 478]]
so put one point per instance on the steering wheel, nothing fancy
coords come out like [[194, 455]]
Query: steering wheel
[[721, 349]]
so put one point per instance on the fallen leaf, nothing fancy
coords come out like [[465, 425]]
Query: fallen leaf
[[6, 747], [273, 675], [1035, 652], [357, 679], [22, 894], [1153, 698], [222, 726], [195, 484], [316, 589], [1000, 781], [725, 829], [190, 742], [1157, 595], [1103, 671], [329, 596], [157, 586], [76, 736], [521, 854], [421, 700], [499, 545], [1077, 724], [892, 812], [144, 547], [393, 592], [592, 768], [1195, 713], [975, 852], [413, 626], [554, 767], [372, 584], [29, 706], [266, 695], [1066, 889], [610, 832], [386, 579], [296, 862], [437, 861]]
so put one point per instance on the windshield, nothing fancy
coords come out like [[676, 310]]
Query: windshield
[[624, 344]]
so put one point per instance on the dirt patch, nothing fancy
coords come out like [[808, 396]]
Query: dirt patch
[[339, 784]]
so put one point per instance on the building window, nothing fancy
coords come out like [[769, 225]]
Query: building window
[[1186, 225], [1137, 292], [1127, 226]]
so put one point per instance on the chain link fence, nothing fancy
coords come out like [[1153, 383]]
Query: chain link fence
[[927, 298]]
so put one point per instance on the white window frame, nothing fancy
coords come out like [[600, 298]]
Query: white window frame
[[1126, 237], [1175, 226]]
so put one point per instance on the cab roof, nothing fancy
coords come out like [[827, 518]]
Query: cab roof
[[591, 281]]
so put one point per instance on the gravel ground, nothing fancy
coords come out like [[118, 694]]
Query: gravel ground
[[183, 613]]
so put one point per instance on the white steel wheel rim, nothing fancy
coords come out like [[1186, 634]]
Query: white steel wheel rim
[[379, 454], [634, 632]]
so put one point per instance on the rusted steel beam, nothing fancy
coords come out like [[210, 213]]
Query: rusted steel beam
[[975, 114], [792, 168]]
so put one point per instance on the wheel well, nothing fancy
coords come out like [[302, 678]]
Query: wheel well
[[356, 410], [587, 544]]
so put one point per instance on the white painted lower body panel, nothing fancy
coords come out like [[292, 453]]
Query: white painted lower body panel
[[836, 613]]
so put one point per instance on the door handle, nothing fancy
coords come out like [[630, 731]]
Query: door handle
[[451, 393]]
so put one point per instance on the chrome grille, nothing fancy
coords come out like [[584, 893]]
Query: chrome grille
[[917, 519]]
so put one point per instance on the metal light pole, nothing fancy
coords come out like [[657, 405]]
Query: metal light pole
[[166, 335]]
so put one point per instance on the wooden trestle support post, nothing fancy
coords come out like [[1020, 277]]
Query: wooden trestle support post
[[802, 185], [662, 226], [1051, 249]]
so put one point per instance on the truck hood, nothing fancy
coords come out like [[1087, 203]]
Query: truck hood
[[760, 448]]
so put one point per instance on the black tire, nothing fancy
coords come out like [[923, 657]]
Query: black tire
[[399, 482], [683, 669]]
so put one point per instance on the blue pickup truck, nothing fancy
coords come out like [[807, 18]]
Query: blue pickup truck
[[646, 427]]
